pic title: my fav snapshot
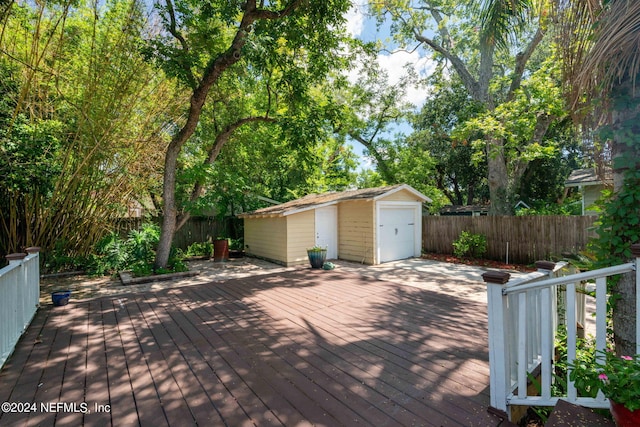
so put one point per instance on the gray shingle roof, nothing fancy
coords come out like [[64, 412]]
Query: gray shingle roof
[[587, 177], [312, 201]]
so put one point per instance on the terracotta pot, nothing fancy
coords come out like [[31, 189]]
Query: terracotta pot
[[221, 250], [624, 417]]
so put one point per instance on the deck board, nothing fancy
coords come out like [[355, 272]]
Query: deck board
[[299, 348]]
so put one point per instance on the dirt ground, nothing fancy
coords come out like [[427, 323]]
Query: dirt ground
[[478, 262]]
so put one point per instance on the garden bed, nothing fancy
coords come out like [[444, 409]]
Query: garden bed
[[478, 262], [127, 279]]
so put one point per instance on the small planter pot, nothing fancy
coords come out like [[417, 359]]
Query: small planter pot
[[221, 250], [60, 298], [624, 417], [236, 253], [317, 258]]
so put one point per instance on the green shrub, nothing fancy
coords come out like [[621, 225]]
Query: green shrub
[[236, 244], [200, 249], [141, 244], [470, 245], [136, 253], [110, 256]]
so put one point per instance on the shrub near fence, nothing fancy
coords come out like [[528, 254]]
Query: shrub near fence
[[196, 229], [529, 238]]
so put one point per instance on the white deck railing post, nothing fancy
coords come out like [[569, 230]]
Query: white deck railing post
[[548, 326], [19, 298], [499, 364], [522, 324]]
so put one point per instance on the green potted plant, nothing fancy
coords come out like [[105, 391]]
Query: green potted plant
[[618, 377], [317, 256], [236, 248]]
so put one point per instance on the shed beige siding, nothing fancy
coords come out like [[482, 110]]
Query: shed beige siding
[[590, 195], [400, 196], [266, 238], [356, 239], [301, 231]]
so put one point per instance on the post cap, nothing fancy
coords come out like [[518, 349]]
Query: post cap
[[545, 265], [33, 249], [499, 277], [15, 257], [635, 250]]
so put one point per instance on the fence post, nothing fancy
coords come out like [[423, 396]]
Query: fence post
[[499, 371]]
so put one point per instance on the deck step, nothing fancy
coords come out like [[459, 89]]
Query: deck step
[[567, 414]]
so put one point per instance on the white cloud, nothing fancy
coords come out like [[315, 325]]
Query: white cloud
[[395, 66], [362, 26], [355, 20]]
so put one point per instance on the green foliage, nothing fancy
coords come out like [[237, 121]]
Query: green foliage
[[618, 377], [136, 253], [517, 123], [28, 160], [236, 244], [585, 350], [82, 120], [262, 161], [58, 260], [519, 95], [618, 225], [457, 177], [110, 256], [140, 248], [470, 245], [199, 249], [571, 206]]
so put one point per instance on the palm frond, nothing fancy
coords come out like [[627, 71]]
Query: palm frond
[[600, 46], [501, 19]]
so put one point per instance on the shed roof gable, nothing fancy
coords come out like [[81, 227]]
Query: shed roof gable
[[314, 201]]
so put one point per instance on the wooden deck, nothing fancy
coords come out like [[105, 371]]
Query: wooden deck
[[327, 348]]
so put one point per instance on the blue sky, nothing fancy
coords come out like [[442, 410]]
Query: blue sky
[[391, 59]]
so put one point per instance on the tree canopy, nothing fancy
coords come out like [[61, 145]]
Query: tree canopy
[[499, 65], [183, 106]]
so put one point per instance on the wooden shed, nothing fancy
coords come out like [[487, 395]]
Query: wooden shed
[[370, 226]]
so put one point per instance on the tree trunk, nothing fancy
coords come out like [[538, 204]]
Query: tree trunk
[[624, 315], [221, 140], [214, 69], [625, 147], [498, 179], [169, 209]]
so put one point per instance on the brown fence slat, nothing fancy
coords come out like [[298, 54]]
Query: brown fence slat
[[196, 229], [529, 238]]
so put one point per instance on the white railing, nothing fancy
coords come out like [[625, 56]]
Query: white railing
[[524, 315], [19, 298]]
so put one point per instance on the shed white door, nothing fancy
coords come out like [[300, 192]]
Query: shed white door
[[327, 230], [397, 233]]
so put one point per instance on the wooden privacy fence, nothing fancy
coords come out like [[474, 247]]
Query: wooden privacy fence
[[521, 239], [196, 229]]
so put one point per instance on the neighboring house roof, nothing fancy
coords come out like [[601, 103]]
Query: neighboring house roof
[[463, 209], [313, 201], [586, 177]]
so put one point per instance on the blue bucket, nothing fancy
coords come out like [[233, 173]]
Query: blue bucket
[[60, 298]]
